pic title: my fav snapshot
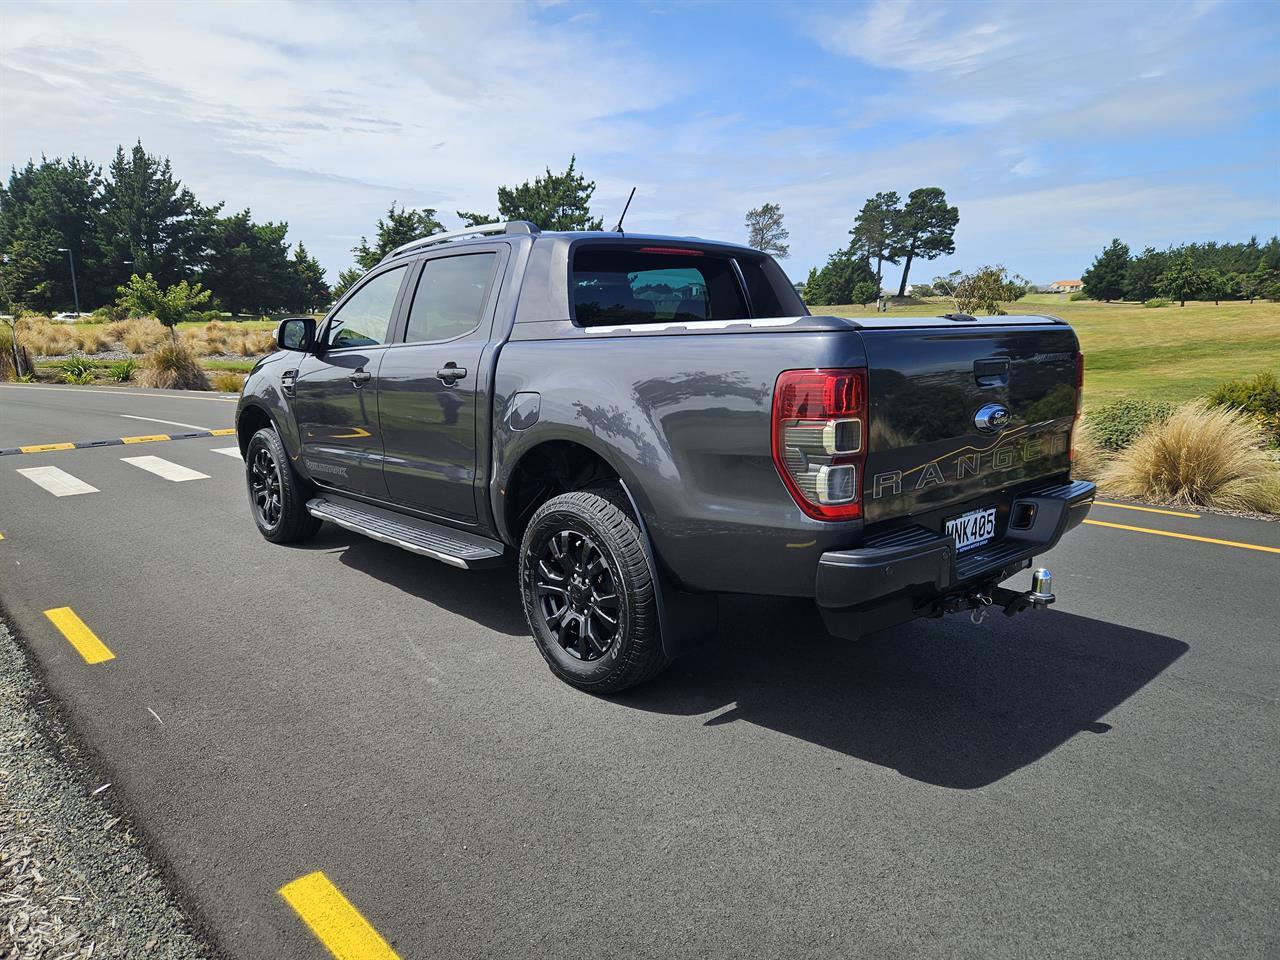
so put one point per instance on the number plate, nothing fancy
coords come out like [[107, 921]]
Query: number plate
[[973, 529]]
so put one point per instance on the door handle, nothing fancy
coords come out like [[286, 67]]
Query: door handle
[[450, 373], [360, 377]]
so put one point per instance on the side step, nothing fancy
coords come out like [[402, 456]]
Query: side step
[[454, 547]]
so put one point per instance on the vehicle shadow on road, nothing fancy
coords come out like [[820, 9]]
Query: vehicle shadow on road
[[489, 597], [941, 701]]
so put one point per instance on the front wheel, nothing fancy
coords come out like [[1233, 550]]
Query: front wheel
[[276, 495], [589, 595]]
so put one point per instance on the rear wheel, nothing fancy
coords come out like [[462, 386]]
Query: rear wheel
[[588, 593], [276, 494]]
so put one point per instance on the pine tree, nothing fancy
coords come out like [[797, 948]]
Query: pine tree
[[1105, 280], [397, 228], [554, 201], [926, 229], [876, 231], [765, 231]]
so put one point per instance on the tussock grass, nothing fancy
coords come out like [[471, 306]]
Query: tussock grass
[[1089, 458], [228, 382], [1201, 456], [172, 366]]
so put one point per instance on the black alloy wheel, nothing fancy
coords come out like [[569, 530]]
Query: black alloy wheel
[[264, 487], [578, 595]]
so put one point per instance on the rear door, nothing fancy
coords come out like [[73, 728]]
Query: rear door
[[960, 414], [428, 383], [334, 397]]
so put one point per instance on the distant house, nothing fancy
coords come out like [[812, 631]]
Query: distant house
[[1066, 286]]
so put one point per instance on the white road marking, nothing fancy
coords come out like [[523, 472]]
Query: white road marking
[[163, 468], [126, 392], [56, 481], [228, 451], [172, 423]]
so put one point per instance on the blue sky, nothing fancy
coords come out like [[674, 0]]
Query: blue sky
[[1053, 126]]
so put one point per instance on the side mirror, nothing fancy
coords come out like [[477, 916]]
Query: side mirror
[[296, 333]]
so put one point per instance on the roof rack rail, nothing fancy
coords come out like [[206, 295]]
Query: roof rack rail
[[484, 229]]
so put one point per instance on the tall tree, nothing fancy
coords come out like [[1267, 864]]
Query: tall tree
[[554, 201], [248, 264], [346, 280], [42, 209], [307, 288], [875, 231], [765, 231], [398, 227], [1142, 274], [1105, 280], [1182, 281], [149, 223], [926, 229]]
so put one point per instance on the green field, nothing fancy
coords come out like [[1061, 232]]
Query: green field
[[1171, 353]]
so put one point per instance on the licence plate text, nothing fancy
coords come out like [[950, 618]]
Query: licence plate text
[[973, 529]]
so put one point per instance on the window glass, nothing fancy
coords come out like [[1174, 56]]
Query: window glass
[[363, 320], [450, 298], [637, 286]]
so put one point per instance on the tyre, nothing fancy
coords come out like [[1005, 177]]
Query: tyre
[[588, 593], [277, 496]]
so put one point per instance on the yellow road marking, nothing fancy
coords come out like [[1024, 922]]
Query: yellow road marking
[[335, 922], [1185, 536], [1, 536], [43, 447], [149, 438], [82, 638], [1129, 506], [223, 433]]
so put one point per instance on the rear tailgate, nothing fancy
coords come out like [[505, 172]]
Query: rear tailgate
[[961, 411]]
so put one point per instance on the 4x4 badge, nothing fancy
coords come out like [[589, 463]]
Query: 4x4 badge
[[992, 418]]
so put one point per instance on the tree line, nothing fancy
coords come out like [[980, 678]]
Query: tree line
[[1193, 271], [885, 231], [139, 219]]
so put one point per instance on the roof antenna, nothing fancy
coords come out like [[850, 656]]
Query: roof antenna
[[618, 228]]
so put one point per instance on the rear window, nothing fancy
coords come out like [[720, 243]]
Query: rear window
[[613, 285]]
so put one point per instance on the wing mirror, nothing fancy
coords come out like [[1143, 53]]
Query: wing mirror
[[296, 333]]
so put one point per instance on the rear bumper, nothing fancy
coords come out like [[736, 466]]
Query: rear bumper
[[899, 576]]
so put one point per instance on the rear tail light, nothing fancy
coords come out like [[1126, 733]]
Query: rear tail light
[[820, 439], [1075, 421]]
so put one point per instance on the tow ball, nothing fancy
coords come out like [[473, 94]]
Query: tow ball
[[1011, 601]]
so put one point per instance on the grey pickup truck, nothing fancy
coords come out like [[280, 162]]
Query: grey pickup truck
[[646, 422]]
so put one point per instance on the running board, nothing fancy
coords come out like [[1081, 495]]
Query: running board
[[454, 547]]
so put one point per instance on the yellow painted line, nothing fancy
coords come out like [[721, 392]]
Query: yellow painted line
[[1185, 536], [149, 438], [43, 447], [1, 536], [82, 638], [1129, 506], [223, 433], [335, 922]]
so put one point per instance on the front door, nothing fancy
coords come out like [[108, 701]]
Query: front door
[[427, 386], [335, 393]]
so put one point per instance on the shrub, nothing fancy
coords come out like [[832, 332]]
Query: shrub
[[228, 382], [1156, 302], [211, 316], [1258, 396], [1202, 456], [122, 371], [77, 368], [1078, 295], [1117, 424], [171, 366]]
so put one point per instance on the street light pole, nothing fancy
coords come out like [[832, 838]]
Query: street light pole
[[74, 289]]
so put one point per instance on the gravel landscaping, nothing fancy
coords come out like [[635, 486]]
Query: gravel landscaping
[[74, 880]]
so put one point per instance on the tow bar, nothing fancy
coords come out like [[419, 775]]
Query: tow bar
[[1011, 601]]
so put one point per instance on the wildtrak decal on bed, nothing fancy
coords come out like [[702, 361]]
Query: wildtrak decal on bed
[[1006, 453]]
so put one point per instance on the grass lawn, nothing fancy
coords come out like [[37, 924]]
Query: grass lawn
[[1171, 353]]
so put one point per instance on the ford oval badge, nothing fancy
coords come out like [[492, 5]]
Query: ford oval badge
[[992, 418]]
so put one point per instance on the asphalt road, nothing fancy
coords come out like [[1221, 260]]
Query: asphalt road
[[1099, 780]]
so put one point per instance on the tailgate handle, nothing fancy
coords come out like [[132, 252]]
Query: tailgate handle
[[991, 373]]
